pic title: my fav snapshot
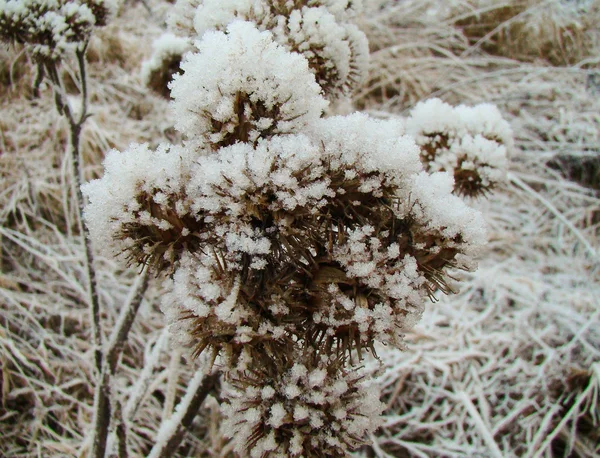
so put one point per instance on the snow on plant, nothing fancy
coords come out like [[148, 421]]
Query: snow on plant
[[469, 142], [293, 242], [139, 209], [270, 91], [51, 27], [315, 406], [167, 52], [336, 50], [53, 31]]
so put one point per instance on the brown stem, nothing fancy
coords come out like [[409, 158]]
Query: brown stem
[[112, 354], [167, 448]]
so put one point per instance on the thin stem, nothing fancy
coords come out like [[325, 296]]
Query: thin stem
[[121, 433], [139, 389], [172, 431], [119, 335], [102, 407], [74, 150]]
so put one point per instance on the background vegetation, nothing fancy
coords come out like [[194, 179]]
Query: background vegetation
[[510, 366]]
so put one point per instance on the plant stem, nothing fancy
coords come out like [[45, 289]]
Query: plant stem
[[74, 151], [102, 407], [105, 362], [172, 430]]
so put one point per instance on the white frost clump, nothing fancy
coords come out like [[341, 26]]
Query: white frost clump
[[218, 14], [51, 27], [325, 408], [343, 10], [470, 142], [180, 18], [135, 210], [347, 204], [240, 86], [319, 30], [337, 52]]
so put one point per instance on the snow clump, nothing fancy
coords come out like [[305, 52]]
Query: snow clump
[[268, 91]]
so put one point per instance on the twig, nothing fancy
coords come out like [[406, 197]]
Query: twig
[[172, 431], [113, 352], [521, 184], [138, 390], [494, 450], [121, 433], [119, 335], [593, 387], [74, 150]]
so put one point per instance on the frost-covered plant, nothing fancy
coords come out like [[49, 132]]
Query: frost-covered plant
[[315, 408], [167, 52], [469, 142], [293, 243], [51, 27], [270, 91], [336, 50], [55, 32]]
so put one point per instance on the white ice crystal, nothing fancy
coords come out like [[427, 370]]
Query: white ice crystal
[[241, 86], [218, 14], [180, 19], [470, 142], [51, 27], [337, 52]]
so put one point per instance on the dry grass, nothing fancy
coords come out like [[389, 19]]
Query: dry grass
[[508, 367]]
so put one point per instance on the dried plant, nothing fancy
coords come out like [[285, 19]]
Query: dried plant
[[322, 31], [294, 243], [469, 142]]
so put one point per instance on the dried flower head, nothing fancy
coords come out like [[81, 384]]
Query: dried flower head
[[102, 10], [314, 408], [269, 91], [215, 309], [337, 52], [469, 142], [337, 230], [139, 210], [167, 53], [50, 27]]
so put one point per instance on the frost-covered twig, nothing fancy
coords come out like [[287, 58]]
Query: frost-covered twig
[[524, 186], [590, 394], [112, 352], [138, 390], [172, 430]]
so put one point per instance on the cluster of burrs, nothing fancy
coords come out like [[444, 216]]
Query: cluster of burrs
[[51, 27], [293, 243], [320, 30], [471, 143]]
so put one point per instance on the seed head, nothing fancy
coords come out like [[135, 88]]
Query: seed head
[[469, 142], [269, 91], [313, 408]]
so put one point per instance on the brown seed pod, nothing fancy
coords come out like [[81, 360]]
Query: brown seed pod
[[312, 407]]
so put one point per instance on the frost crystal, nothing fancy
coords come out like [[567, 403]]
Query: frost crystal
[[319, 30], [268, 91], [139, 210], [51, 27], [337, 53]]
